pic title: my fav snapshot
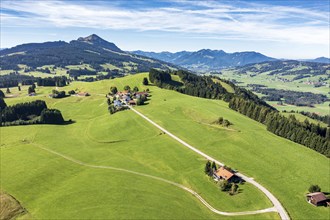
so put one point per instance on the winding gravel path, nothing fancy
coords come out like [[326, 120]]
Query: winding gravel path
[[272, 209], [277, 205]]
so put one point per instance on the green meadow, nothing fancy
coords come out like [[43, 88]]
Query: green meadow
[[51, 186]]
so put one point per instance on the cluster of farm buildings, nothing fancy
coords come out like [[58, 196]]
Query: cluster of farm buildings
[[127, 97]]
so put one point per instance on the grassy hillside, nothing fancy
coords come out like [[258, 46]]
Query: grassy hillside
[[50, 186], [279, 164]]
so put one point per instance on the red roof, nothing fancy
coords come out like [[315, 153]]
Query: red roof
[[224, 173]]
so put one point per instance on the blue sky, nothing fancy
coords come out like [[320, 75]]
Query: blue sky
[[278, 28]]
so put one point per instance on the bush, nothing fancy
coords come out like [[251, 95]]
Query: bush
[[71, 92], [225, 185], [58, 94], [145, 81], [139, 101], [314, 188]]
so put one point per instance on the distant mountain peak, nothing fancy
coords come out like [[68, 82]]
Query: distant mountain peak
[[93, 38], [98, 41]]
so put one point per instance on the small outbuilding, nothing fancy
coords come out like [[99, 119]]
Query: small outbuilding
[[131, 102], [317, 199]]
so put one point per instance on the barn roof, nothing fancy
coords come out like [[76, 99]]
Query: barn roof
[[224, 173], [318, 196]]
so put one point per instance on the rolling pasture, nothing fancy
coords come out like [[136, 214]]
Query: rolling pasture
[[51, 186]]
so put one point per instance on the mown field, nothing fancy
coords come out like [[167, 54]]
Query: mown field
[[50, 186]]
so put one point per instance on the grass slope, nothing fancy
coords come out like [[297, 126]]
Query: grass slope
[[285, 168], [51, 187], [125, 140]]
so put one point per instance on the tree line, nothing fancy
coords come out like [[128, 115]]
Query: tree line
[[291, 97], [59, 81], [305, 133], [35, 112], [323, 118], [14, 79]]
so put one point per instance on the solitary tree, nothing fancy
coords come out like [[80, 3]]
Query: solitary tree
[[234, 188], [220, 120], [208, 168], [19, 88], [135, 89], [8, 91], [314, 188], [214, 166], [31, 90], [127, 87], [113, 90], [145, 81]]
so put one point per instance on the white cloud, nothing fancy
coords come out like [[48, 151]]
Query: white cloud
[[212, 19]]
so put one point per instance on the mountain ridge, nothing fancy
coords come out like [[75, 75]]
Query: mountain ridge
[[91, 50], [207, 59]]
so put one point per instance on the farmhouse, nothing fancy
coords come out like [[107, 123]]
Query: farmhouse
[[140, 94], [117, 103], [126, 98], [317, 199], [224, 173]]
